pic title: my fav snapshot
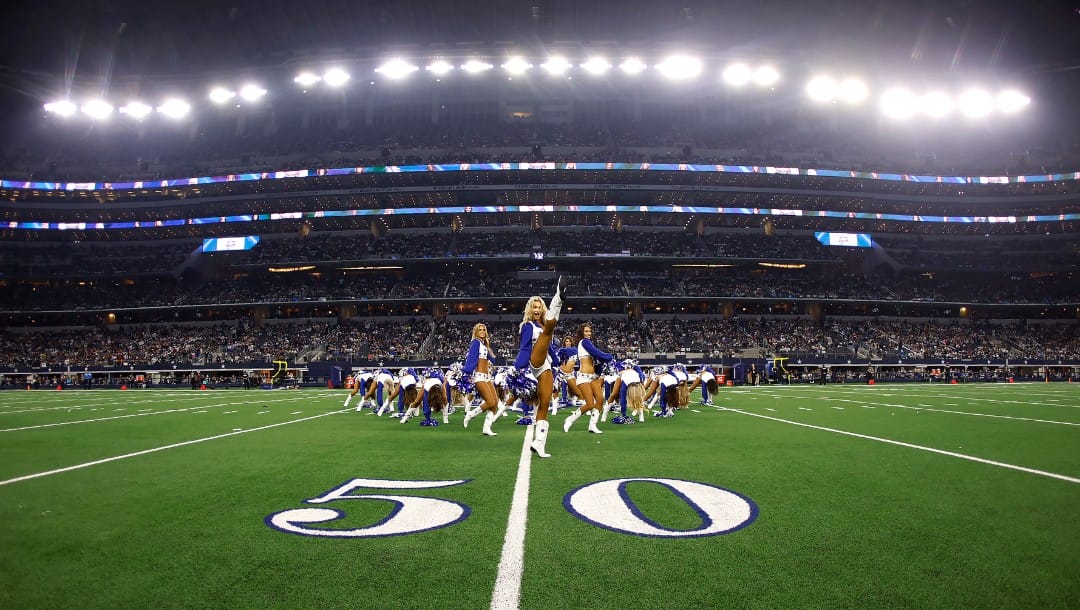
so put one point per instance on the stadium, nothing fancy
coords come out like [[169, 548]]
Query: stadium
[[817, 301]]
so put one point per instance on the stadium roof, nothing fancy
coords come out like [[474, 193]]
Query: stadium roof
[[112, 41]]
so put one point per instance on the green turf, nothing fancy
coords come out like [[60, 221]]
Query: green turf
[[844, 522]]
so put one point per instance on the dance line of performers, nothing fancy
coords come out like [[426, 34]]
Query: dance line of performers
[[579, 376]]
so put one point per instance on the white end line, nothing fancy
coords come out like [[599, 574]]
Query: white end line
[[507, 593]]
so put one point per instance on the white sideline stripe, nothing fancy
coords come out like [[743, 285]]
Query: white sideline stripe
[[156, 449], [972, 458], [507, 593]]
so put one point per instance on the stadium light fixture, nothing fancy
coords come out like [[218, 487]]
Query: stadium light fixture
[[596, 66], [680, 67], [62, 107], [174, 108], [975, 103], [1010, 101], [136, 110], [517, 65], [556, 65], [439, 67], [476, 66], [396, 69], [632, 66], [936, 104], [898, 103], [252, 93], [766, 76], [335, 77], [97, 109], [853, 91], [307, 79], [821, 88], [220, 95], [737, 74]]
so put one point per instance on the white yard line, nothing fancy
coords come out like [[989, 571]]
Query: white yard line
[[920, 408], [192, 409], [507, 593], [1052, 475], [156, 449]]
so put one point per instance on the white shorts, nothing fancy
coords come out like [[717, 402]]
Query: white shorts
[[585, 377], [477, 377], [546, 366]]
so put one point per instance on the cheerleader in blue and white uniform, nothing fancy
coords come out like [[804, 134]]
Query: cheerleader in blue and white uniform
[[406, 391], [666, 389], [536, 353], [591, 360], [431, 394], [706, 379], [360, 386], [682, 399], [380, 386], [567, 382], [478, 367], [630, 389]]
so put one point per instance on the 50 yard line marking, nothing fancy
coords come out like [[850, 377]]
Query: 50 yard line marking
[[1052, 475], [156, 449], [507, 593]]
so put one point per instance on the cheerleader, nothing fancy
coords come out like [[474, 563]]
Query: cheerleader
[[431, 394], [461, 390], [360, 386], [478, 368], [405, 392], [630, 388], [381, 384], [665, 388], [682, 399], [537, 327], [706, 379], [567, 364], [588, 381]]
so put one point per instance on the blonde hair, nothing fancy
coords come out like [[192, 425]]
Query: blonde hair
[[486, 340], [526, 317]]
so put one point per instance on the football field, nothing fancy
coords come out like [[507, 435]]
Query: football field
[[843, 496]]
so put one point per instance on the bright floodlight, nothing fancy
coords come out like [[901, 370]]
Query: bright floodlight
[[1012, 101], [821, 89], [174, 108], [136, 110], [937, 104], [680, 67], [97, 109], [396, 69], [975, 103], [476, 66], [220, 95], [335, 77], [439, 67], [898, 103], [596, 66], [737, 74], [307, 79], [516, 65], [853, 91], [766, 76], [632, 66], [556, 65], [252, 93], [62, 107]]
